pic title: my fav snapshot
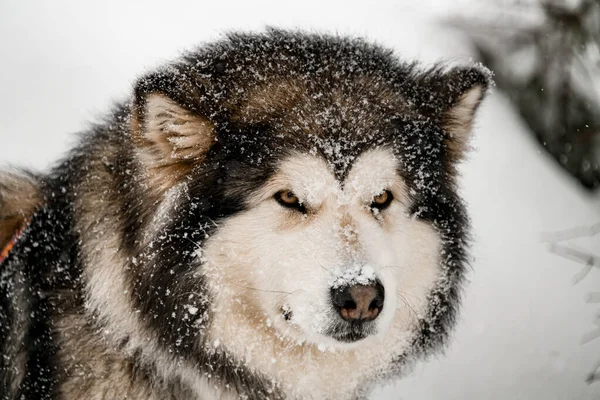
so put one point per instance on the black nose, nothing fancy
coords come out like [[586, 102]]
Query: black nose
[[358, 302]]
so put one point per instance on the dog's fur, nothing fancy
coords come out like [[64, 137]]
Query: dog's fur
[[20, 196], [157, 264]]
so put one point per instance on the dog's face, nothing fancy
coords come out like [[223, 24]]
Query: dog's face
[[321, 203]]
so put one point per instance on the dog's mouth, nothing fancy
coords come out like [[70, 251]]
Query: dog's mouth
[[350, 332]]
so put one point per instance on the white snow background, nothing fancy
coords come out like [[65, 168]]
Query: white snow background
[[523, 320]]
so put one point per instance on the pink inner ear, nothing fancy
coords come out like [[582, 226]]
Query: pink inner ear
[[458, 121], [463, 112], [175, 132], [171, 139]]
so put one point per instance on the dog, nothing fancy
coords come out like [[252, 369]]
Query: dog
[[272, 216]]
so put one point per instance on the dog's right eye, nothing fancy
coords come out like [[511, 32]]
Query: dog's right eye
[[382, 200], [288, 199]]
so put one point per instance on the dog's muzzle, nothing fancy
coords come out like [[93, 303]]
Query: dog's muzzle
[[357, 307]]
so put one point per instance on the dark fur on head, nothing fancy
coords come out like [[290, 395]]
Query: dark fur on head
[[216, 123]]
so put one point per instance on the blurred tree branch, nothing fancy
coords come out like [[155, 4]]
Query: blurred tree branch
[[546, 56], [557, 244]]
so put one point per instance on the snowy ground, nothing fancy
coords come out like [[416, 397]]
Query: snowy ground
[[523, 320]]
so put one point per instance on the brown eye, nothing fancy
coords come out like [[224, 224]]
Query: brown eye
[[382, 200], [288, 199]]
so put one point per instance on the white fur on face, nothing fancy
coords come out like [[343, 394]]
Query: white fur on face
[[269, 260]]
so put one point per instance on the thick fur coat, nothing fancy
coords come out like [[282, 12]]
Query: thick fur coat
[[199, 243]]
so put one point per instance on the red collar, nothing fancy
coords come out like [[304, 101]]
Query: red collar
[[11, 244]]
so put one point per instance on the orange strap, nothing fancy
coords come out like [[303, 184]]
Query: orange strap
[[11, 244]]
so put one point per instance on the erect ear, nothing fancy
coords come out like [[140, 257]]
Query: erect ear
[[456, 95], [169, 136], [468, 87]]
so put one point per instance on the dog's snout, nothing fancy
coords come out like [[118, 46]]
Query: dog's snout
[[359, 302]]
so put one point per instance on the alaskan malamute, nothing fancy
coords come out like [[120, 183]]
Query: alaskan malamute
[[271, 216]]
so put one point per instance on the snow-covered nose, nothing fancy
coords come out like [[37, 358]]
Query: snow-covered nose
[[358, 303]]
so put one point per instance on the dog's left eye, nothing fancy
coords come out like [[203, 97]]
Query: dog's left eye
[[288, 199], [382, 200]]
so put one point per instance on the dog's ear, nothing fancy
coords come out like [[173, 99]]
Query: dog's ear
[[171, 136], [454, 97]]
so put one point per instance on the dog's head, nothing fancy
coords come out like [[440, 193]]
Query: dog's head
[[314, 179]]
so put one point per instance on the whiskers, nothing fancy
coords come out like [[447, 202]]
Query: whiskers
[[404, 300], [321, 265], [279, 303], [278, 307], [391, 267], [257, 289], [401, 294]]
